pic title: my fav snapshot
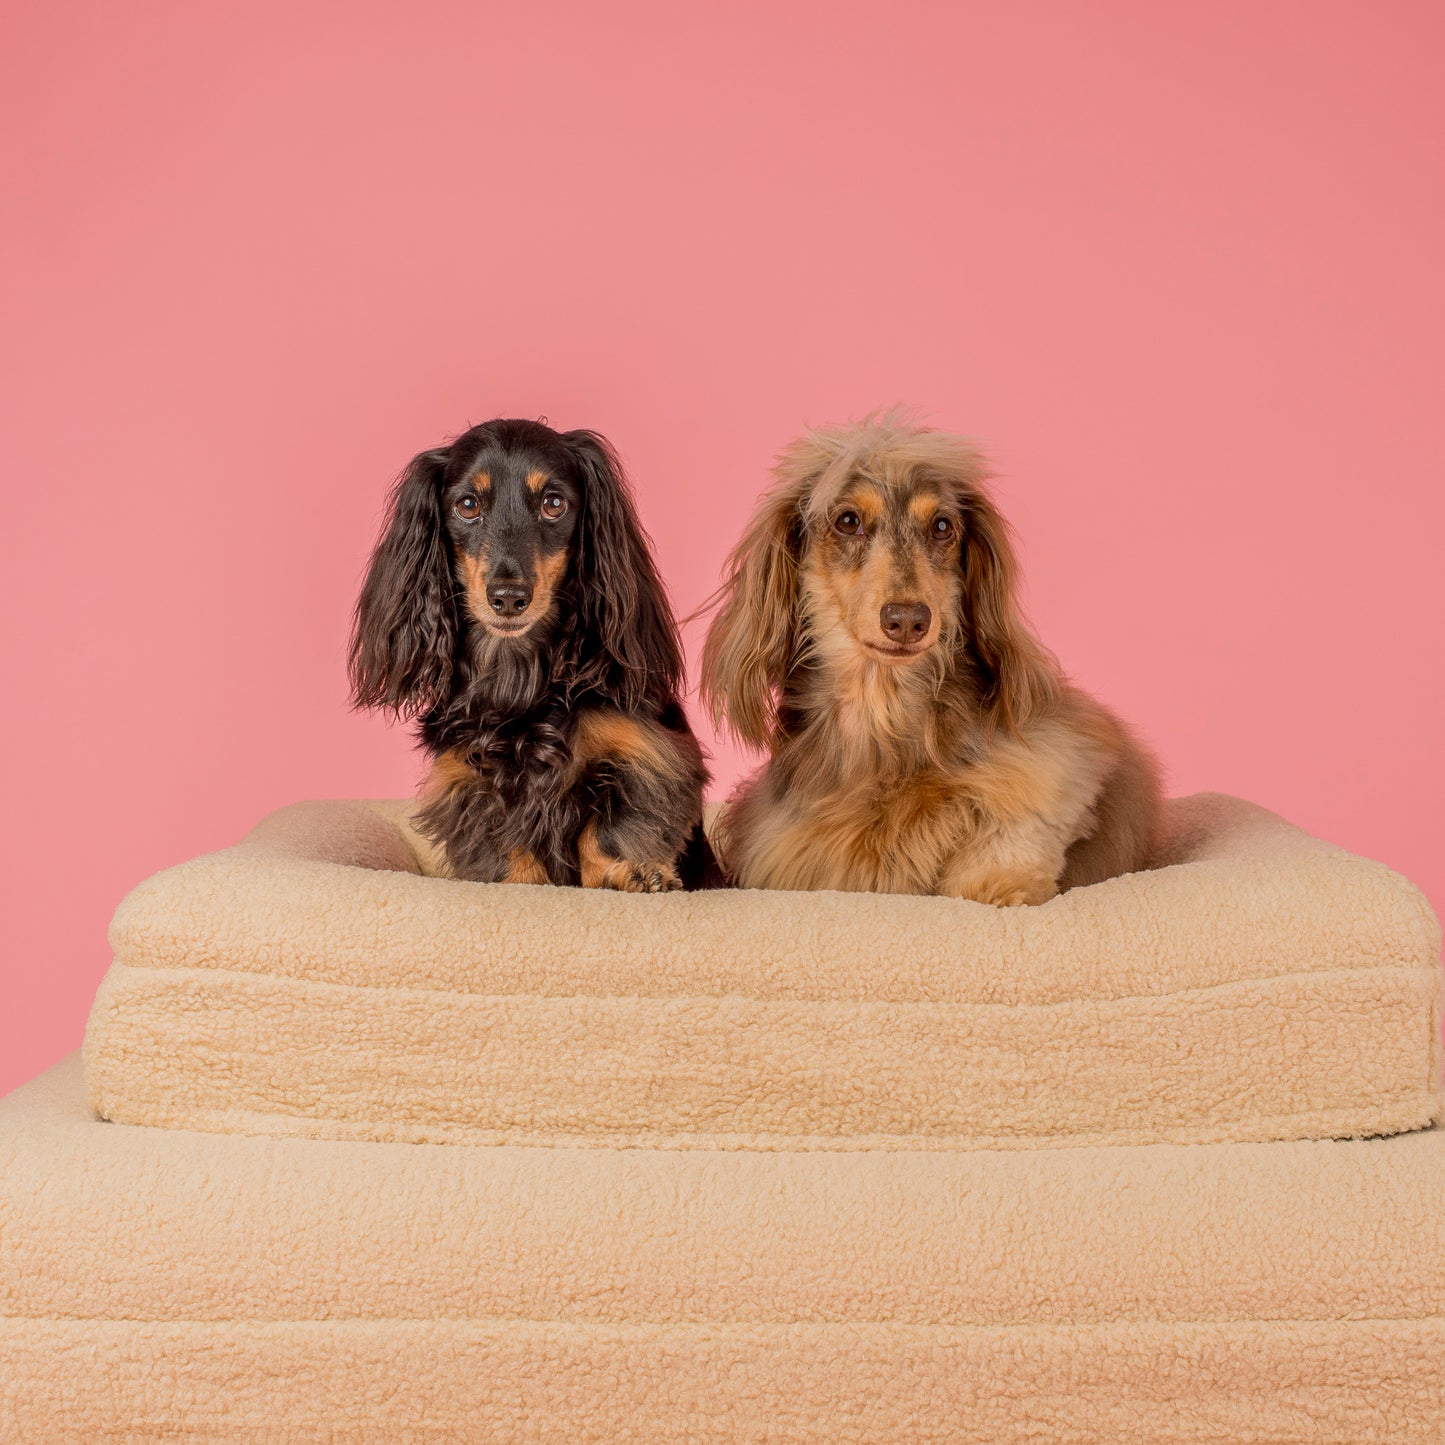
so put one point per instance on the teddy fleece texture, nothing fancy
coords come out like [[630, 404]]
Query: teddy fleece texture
[[1257, 984], [158, 1284]]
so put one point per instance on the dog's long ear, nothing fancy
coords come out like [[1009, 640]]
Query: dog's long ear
[[753, 640], [1018, 675], [404, 630], [621, 601]]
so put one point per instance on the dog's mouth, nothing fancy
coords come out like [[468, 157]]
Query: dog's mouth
[[897, 652], [509, 629]]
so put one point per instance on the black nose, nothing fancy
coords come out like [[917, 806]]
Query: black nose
[[509, 598], [904, 622]]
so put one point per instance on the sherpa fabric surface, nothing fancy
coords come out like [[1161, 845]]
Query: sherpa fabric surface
[[159, 1284], [310, 980]]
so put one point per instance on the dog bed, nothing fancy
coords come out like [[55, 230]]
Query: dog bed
[[158, 1284], [1258, 984]]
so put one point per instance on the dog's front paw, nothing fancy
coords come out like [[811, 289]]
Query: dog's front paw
[[1020, 897], [1008, 890], [603, 869], [644, 878]]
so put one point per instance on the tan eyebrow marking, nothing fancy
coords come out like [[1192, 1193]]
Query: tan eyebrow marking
[[482, 481], [536, 481], [865, 499]]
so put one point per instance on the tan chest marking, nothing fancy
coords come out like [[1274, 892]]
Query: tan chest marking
[[449, 771]]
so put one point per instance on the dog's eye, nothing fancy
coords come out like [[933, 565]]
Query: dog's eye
[[554, 505], [848, 523], [942, 529], [468, 508]]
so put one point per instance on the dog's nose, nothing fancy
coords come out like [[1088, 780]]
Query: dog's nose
[[904, 622], [509, 598]]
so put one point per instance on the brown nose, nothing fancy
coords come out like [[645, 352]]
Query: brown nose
[[904, 622]]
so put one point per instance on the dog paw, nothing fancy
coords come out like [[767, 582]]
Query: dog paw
[[1024, 894], [1020, 898], [1011, 890], [647, 878]]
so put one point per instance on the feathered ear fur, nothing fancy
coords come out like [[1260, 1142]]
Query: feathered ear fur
[[404, 631], [753, 641], [1018, 675], [620, 597]]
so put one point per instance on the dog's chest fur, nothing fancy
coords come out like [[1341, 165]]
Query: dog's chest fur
[[810, 821], [519, 799], [883, 837]]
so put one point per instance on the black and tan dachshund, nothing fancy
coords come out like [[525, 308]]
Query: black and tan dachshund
[[514, 609]]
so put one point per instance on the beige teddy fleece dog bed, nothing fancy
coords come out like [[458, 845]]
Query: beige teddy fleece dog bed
[[311, 980], [157, 1284]]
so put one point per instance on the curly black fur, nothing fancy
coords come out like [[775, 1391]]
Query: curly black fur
[[506, 712]]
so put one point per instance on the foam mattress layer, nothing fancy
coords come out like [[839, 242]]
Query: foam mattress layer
[[158, 1282]]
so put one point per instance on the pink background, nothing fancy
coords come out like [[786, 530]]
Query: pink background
[[1178, 267]]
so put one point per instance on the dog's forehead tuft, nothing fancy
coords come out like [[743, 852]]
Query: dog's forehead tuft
[[896, 465], [887, 450]]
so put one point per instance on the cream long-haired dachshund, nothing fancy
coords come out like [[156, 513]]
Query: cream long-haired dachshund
[[920, 738]]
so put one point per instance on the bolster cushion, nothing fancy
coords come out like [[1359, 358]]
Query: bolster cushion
[[314, 979]]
